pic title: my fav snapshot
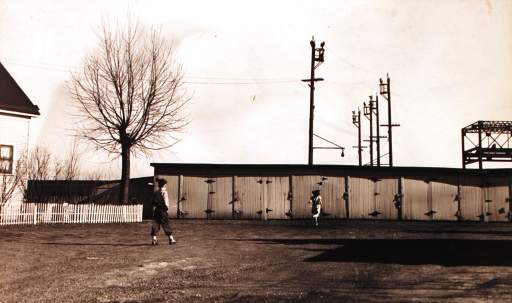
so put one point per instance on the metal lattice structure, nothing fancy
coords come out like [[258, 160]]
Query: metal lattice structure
[[489, 141]]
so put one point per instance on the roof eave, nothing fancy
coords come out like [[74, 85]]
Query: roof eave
[[19, 113]]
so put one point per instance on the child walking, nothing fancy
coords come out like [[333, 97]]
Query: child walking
[[160, 216]]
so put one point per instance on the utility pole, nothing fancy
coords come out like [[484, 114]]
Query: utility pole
[[356, 120], [385, 91], [317, 55], [368, 112], [378, 127]]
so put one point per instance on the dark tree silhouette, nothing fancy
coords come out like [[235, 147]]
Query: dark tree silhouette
[[129, 95]]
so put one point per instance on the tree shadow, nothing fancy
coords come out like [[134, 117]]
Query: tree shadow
[[95, 244], [445, 252]]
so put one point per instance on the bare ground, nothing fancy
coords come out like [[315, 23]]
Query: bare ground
[[237, 261]]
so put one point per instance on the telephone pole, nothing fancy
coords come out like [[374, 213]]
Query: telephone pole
[[356, 120], [385, 91], [317, 58], [368, 112], [378, 127]]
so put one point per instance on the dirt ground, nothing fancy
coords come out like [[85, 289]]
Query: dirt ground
[[237, 261]]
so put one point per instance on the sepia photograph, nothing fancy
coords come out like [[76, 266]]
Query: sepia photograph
[[255, 151]]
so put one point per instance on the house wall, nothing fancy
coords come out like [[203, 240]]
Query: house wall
[[14, 131]]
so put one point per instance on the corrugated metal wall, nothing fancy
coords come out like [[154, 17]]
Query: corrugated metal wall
[[361, 198], [332, 190], [302, 186], [373, 198], [250, 195], [444, 201], [221, 195], [471, 203], [277, 190], [415, 200], [195, 197], [497, 203], [386, 191], [285, 197]]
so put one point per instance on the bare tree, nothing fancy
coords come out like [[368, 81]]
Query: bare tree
[[96, 175], [39, 164], [68, 169], [129, 95], [36, 165], [10, 182]]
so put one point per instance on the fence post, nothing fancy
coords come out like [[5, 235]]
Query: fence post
[[35, 214]]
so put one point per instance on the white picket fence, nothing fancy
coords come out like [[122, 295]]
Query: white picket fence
[[50, 213]]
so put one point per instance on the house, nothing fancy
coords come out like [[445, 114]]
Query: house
[[16, 112]]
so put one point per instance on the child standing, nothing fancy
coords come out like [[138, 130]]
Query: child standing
[[316, 205]]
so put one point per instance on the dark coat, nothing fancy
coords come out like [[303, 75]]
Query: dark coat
[[160, 209]]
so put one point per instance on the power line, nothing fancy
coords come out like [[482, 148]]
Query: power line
[[241, 79], [37, 64], [191, 79], [229, 81], [40, 67], [382, 156], [240, 83]]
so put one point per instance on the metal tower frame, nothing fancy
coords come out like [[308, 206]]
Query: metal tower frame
[[490, 141]]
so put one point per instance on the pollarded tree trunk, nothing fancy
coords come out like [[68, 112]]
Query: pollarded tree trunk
[[125, 174]]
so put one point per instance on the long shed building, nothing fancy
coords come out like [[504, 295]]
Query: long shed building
[[262, 192]]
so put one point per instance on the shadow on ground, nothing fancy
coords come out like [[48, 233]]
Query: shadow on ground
[[446, 252], [94, 244]]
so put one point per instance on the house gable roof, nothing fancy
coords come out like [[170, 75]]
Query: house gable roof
[[12, 97]]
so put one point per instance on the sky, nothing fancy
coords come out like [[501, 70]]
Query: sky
[[450, 64]]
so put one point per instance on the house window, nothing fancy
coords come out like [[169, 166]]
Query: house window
[[6, 159]]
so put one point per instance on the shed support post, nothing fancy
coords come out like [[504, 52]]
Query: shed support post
[[290, 196], [264, 203], [400, 199], [346, 197], [459, 198], [510, 201], [180, 196], [234, 197]]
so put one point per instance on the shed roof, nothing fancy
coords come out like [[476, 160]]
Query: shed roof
[[12, 97], [333, 170]]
